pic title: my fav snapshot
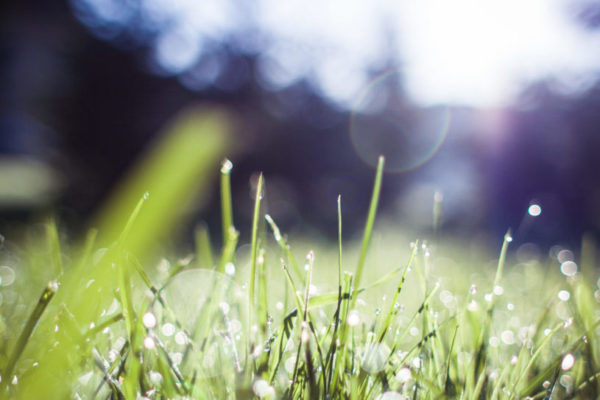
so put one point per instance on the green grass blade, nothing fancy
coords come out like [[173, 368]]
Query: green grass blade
[[285, 247], [54, 247], [226, 203], [391, 312], [204, 255], [369, 225], [254, 248], [30, 325]]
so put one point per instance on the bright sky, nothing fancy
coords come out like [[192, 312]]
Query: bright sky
[[473, 52]]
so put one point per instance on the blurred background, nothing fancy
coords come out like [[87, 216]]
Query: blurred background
[[493, 104]]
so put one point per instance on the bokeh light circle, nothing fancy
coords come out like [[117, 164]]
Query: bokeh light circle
[[375, 357], [212, 309], [381, 123]]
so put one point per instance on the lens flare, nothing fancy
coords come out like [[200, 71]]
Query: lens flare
[[382, 124]]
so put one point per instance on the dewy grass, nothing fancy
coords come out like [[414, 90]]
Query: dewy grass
[[118, 324]]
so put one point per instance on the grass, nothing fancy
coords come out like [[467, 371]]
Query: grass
[[410, 320]]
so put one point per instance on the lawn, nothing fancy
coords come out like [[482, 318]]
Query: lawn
[[116, 314]]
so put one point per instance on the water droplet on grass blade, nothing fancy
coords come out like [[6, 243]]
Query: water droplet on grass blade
[[568, 268], [353, 318], [473, 289], [226, 166], [261, 388], [565, 255], [181, 338], [149, 343], [546, 384], [229, 268], [149, 320], [568, 362], [534, 210], [564, 295], [508, 337], [168, 329], [403, 375]]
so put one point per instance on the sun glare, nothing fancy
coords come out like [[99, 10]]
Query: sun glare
[[480, 52]]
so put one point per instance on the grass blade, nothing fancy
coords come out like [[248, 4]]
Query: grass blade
[[254, 248], [226, 203], [369, 225], [30, 325]]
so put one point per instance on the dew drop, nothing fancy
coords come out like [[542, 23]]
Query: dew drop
[[508, 337], [403, 375], [226, 166], [149, 320], [180, 338], [568, 323], [472, 306], [568, 362], [565, 255], [417, 362], [261, 388], [564, 295], [546, 384], [146, 196], [229, 268], [156, 378], [534, 210], [149, 343], [566, 381], [176, 357], [568, 268], [168, 329], [498, 290], [473, 289], [224, 306], [353, 318]]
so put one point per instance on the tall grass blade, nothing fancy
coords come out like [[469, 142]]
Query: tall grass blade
[[254, 249], [369, 225], [204, 255], [226, 203], [30, 325]]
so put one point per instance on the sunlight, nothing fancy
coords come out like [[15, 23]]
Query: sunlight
[[468, 52], [482, 52]]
